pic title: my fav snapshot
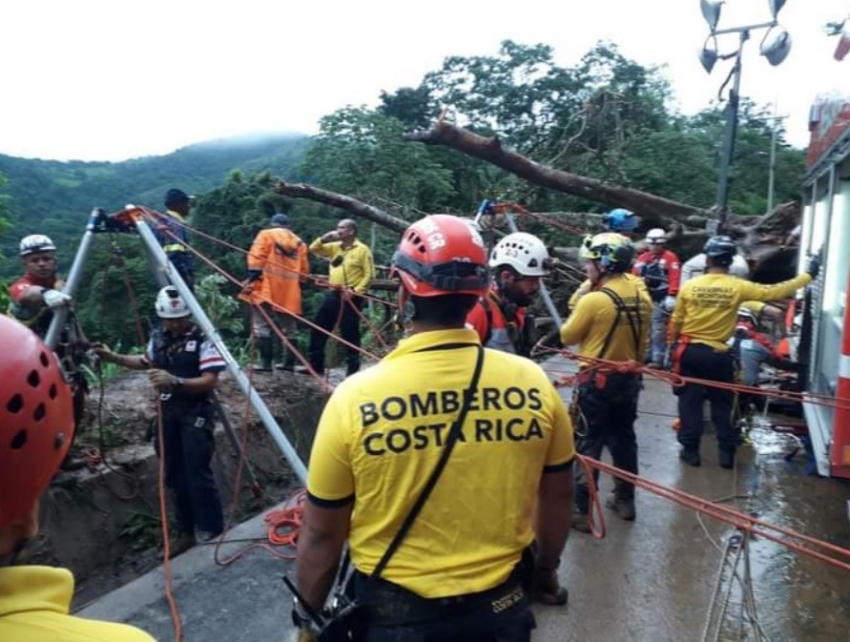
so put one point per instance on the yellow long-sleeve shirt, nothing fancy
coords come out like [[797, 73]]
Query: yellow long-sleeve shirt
[[707, 306], [356, 269], [595, 314], [34, 604]]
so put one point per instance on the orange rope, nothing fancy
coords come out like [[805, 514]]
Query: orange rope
[[805, 544], [676, 380], [163, 514]]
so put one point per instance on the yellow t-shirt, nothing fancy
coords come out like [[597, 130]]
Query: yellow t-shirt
[[34, 604], [707, 307], [595, 314], [356, 270], [586, 286], [381, 435]]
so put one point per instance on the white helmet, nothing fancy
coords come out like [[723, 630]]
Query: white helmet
[[656, 235], [523, 252], [170, 305], [36, 243]]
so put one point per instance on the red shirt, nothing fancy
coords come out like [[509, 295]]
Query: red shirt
[[667, 264], [36, 317]]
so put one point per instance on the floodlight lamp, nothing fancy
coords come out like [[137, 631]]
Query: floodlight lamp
[[708, 55], [711, 12], [775, 7], [776, 45]]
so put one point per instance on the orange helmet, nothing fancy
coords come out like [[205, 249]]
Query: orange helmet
[[36, 419], [442, 254]]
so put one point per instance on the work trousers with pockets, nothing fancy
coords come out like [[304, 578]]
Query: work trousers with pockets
[[349, 329], [189, 446], [609, 405], [185, 267], [658, 336], [704, 362], [393, 614]]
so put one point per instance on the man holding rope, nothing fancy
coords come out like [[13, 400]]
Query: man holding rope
[[350, 274], [703, 321], [610, 322], [183, 366]]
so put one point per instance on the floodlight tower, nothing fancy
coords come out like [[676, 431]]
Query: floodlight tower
[[774, 46]]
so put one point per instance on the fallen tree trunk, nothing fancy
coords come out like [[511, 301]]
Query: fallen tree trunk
[[352, 205], [489, 148]]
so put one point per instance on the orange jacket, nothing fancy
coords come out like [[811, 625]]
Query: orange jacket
[[282, 257]]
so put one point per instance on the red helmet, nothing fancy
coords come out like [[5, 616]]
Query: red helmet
[[36, 419], [442, 254]]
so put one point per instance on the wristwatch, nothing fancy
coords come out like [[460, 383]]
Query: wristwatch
[[179, 382]]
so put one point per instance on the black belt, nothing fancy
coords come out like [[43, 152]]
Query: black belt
[[388, 604]]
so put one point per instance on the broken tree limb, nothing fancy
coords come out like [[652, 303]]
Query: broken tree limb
[[352, 205], [489, 148]]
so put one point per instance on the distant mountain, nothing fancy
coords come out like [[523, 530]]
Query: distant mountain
[[55, 197]]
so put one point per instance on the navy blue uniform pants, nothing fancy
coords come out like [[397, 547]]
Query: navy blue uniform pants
[[189, 447], [185, 266], [704, 362], [502, 614], [349, 329], [610, 411]]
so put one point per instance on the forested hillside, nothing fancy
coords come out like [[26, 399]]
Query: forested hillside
[[605, 117], [55, 198]]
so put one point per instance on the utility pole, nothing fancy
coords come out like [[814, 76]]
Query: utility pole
[[776, 119]]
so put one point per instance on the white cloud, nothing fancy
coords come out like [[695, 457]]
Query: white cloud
[[109, 80]]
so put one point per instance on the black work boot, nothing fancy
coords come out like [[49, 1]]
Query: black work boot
[[690, 455], [288, 364], [265, 349], [622, 501], [727, 458], [580, 521]]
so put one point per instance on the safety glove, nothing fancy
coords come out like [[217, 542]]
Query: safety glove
[[669, 303], [814, 265], [55, 299], [162, 380]]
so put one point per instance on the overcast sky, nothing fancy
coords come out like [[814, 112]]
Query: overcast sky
[[115, 79]]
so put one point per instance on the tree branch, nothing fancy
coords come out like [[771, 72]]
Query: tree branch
[[490, 149], [351, 205]]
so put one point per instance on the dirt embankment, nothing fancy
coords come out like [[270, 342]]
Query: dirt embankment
[[103, 521]]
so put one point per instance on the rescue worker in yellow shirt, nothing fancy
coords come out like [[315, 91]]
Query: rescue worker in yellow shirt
[[587, 285], [506, 479], [612, 322], [702, 323], [36, 430], [351, 272]]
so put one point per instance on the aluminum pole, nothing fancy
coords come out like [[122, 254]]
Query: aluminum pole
[[544, 293], [60, 316], [166, 267]]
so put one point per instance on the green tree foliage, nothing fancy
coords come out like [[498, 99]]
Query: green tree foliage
[[361, 152], [55, 198]]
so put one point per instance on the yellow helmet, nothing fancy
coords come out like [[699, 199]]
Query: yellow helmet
[[614, 251]]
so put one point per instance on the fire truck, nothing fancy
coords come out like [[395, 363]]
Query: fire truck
[[824, 340]]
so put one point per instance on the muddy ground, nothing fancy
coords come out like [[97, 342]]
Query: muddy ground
[[102, 521]]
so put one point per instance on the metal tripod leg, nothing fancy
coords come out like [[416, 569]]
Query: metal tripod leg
[[237, 445]]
